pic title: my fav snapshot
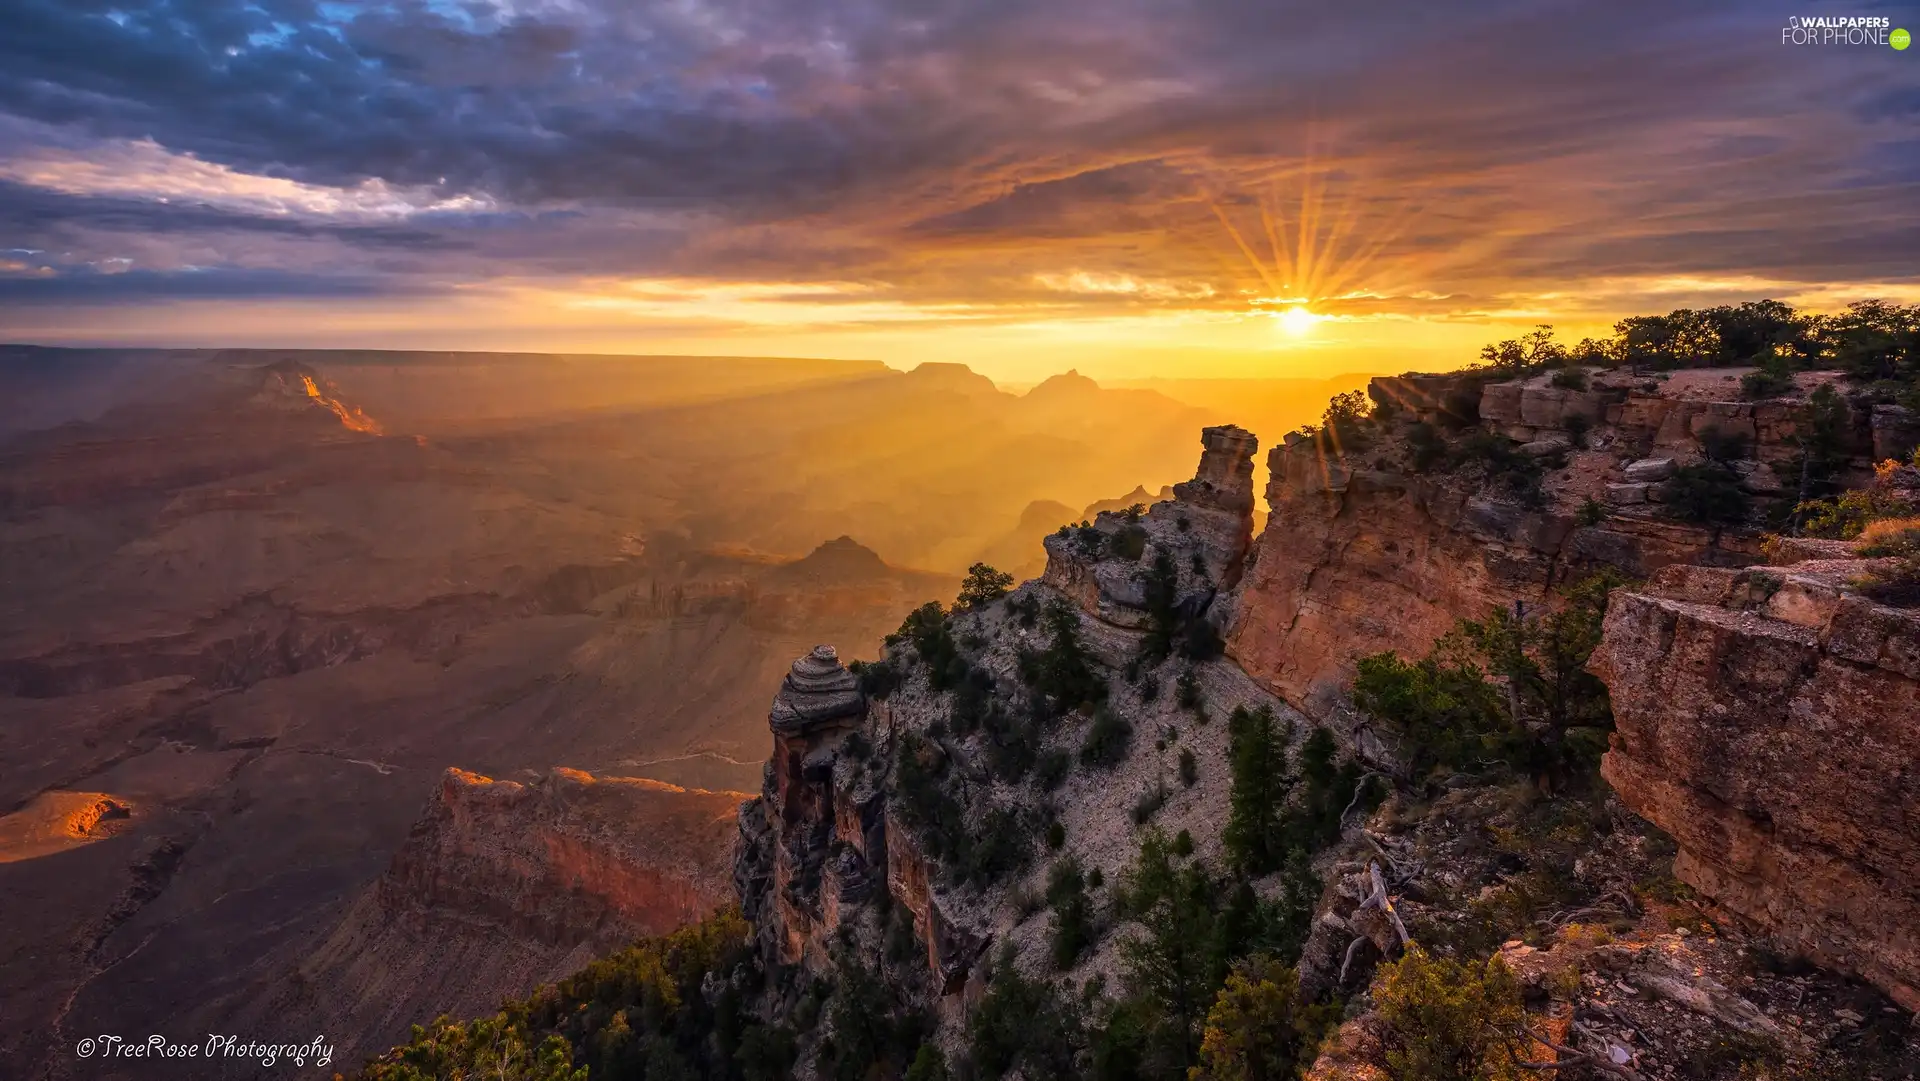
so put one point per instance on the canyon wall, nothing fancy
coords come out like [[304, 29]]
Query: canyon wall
[[503, 885], [1368, 549], [1769, 719]]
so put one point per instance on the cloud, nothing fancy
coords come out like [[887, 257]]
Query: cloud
[[947, 152]]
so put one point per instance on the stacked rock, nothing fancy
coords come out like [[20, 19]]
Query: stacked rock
[[818, 689]]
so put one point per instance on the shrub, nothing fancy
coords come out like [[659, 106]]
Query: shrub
[[1189, 767], [928, 1065], [1072, 913], [931, 635], [1591, 513], [1022, 1023], [1723, 444], [1897, 586], [983, 586], [1187, 689], [1570, 379], [1260, 1028], [1550, 717], [1107, 739], [1890, 537], [1427, 448], [1773, 378], [1578, 425], [1346, 420], [879, 679], [1128, 542], [1003, 846], [1063, 673], [1504, 466], [1707, 493], [1056, 835], [1149, 803], [1449, 1021], [1052, 768], [1183, 843]]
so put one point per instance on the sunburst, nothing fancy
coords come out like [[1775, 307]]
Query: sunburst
[[1312, 248]]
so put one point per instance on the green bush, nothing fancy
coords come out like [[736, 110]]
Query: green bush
[[1773, 378], [639, 1012], [1052, 769], [1570, 379], [1260, 1027], [1189, 767], [878, 679], [1128, 542], [983, 586], [1063, 676], [1072, 921], [1022, 1023], [1149, 803], [1707, 493], [1107, 739], [1443, 1020], [1508, 687]]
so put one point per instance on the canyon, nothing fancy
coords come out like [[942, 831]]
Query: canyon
[[254, 605], [501, 707], [1765, 721]]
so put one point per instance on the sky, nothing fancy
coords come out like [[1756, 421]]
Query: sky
[[1133, 188]]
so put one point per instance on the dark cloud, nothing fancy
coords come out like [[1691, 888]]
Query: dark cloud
[[88, 286], [40, 218], [914, 144]]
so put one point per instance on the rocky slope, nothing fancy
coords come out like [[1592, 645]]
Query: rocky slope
[[1741, 716], [501, 886], [833, 864]]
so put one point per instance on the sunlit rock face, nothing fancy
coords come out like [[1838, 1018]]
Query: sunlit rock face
[[1195, 542], [820, 848], [1367, 551], [503, 885], [1769, 719]]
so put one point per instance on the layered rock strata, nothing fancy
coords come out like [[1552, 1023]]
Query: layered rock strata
[[1370, 549], [1769, 719], [502, 886]]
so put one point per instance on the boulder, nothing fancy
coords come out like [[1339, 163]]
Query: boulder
[[1650, 469], [1622, 495]]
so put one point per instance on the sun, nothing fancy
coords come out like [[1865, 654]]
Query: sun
[[1297, 320]]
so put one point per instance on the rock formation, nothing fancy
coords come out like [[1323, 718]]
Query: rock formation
[[1769, 719], [501, 886], [1196, 541], [1367, 549]]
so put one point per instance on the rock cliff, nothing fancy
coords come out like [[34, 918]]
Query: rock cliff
[[1382, 543], [503, 885], [1769, 719]]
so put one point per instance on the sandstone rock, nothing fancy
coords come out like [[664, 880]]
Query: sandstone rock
[[1541, 448], [1622, 495], [1896, 432], [818, 690], [1650, 469], [1771, 723], [1203, 533], [1760, 480], [1224, 478]]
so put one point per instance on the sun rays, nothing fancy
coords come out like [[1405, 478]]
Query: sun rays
[[1313, 239]]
